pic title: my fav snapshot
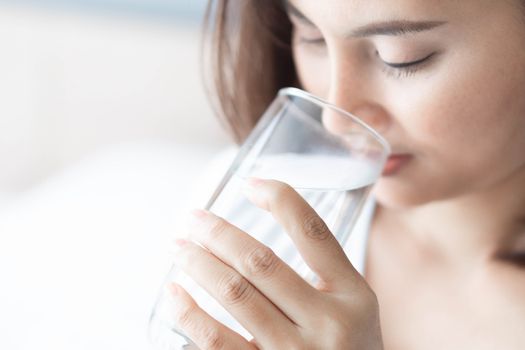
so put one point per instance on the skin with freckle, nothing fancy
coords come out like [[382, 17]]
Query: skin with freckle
[[443, 81], [427, 113]]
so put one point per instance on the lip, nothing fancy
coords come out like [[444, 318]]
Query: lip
[[395, 163]]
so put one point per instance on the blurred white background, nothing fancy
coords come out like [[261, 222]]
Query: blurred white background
[[105, 133], [75, 81]]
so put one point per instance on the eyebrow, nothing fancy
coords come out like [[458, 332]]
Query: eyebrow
[[388, 28], [395, 28]]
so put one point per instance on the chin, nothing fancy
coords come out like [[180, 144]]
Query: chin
[[401, 195]]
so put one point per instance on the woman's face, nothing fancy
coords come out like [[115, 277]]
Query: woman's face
[[442, 80]]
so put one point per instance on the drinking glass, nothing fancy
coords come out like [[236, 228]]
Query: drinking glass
[[327, 155]]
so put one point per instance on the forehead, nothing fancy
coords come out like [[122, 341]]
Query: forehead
[[344, 13]]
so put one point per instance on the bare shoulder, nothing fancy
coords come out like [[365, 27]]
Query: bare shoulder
[[494, 308], [504, 285]]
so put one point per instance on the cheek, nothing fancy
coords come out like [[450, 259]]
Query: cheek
[[469, 122], [445, 115], [469, 112]]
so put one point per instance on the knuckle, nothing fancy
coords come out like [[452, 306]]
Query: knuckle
[[281, 191], [261, 261], [205, 334], [234, 289], [211, 338], [364, 303], [218, 227], [370, 301], [184, 317], [334, 322], [315, 228]]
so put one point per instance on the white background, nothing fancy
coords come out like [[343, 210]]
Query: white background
[[105, 135]]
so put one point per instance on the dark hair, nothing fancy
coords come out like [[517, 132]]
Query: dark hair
[[248, 49]]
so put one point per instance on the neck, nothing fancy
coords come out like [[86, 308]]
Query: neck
[[480, 225]]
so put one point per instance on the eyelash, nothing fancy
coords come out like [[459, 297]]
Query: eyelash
[[396, 70], [404, 69], [319, 41]]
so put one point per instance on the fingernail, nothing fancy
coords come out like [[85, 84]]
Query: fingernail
[[180, 242], [178, 255], [254, 182], [250, 185], [199, 213], [195, 217], [177, 246], [174, 289]]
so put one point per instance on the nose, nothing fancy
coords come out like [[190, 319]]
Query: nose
[[354, 91]]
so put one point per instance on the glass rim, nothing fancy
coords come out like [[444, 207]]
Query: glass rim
[[292, 91]]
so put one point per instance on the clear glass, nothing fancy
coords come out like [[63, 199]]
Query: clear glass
[[329, 156]]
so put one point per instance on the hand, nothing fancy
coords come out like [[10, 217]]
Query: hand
[[279, 308]]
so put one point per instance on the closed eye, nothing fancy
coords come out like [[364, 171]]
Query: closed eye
[[316, 41], [408, 64]]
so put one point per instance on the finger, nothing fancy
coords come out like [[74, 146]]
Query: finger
[[316, 244], [256, 262], [201, 328], [245, 303]]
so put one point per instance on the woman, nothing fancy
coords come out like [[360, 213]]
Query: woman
[[443, 81]]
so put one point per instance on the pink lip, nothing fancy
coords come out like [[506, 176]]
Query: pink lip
[[395, 162]]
